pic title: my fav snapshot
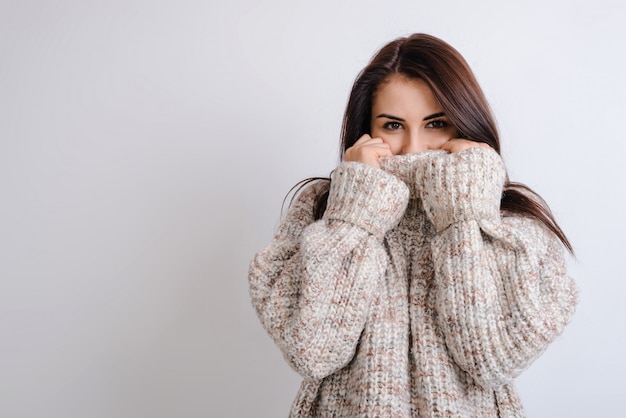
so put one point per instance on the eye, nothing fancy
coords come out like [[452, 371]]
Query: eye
[[437, 124], [392, 126]]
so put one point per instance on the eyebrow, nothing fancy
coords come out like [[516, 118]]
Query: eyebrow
[[384, 115], [433, 116]]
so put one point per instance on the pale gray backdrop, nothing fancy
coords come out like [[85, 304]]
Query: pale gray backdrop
[[146, 146]]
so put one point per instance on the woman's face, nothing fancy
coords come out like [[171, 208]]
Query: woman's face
[[407, 117]]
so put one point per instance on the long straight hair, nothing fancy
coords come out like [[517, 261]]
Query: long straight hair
[[454, 85]]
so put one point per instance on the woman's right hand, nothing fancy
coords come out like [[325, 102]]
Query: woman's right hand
[[368, 150]]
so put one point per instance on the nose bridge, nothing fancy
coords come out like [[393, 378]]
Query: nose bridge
[[414, 141]]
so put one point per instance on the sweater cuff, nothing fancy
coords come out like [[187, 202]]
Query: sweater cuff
[[462, 186], [367, 197]]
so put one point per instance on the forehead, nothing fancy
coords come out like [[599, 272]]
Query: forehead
[[405, 95]]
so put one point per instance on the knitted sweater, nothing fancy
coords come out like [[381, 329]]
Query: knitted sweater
[[413, 296]]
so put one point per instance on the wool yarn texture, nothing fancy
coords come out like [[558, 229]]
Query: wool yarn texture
[[413, 295]]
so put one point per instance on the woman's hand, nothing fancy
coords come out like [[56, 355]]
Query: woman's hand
[[368, 150], [459, 144]]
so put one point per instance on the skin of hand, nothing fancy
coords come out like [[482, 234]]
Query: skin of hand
[[368, 150], [459, 144]]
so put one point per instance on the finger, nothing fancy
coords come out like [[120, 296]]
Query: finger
[[459, 144], [367, 149], [372, 141], [380, 149], [368, 153], [364, 138]]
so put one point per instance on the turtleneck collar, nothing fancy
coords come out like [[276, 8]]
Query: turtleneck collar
[[406, 166]]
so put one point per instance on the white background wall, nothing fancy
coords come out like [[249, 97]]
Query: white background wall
[[146, 146]]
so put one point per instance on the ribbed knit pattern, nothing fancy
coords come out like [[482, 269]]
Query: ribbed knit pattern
[[412, 296]]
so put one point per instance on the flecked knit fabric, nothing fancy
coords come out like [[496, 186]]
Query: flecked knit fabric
[[413, 296]]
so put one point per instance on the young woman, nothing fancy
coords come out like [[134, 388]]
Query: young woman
[[417, 281]]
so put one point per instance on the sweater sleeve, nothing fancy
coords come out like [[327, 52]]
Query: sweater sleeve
[[312, 286], [502, 290]]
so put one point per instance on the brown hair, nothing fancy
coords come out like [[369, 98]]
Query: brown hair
[[454, 86]]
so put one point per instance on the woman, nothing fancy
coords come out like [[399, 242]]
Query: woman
[[417, 281]]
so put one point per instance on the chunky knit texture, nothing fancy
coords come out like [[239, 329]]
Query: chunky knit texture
[[413, 296]]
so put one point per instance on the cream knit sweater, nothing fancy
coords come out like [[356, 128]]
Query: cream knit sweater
[[413, 296]]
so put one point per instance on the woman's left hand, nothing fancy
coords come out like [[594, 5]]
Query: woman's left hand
[[459, 144]]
